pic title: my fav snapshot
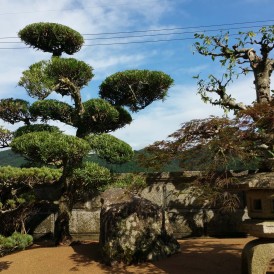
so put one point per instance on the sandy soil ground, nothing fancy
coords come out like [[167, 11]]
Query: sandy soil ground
[[201, 255]]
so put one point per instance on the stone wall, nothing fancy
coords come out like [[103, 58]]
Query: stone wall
[[176, 194]]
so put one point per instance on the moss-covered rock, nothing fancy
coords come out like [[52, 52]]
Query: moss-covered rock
[[134, 230]]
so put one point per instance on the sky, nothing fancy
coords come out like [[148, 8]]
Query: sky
[[137, 22]]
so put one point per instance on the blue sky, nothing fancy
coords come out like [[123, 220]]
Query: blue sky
[[174, 57]]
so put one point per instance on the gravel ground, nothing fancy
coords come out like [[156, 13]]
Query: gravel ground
[[198, 256]]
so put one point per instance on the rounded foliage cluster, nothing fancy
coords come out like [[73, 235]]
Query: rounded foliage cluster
[[110, 148], [14, 175], [132, 182], [63, 75], [50, 147], [99, 116], [36, 82], [14, 110], [52, 110], [5, 137], [35, 128], [52, 37], [135, 89], [123, 119], [68, 74], [91, 176]]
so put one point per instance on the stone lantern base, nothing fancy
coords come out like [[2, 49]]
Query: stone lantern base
[[257, 255], [259, 228]]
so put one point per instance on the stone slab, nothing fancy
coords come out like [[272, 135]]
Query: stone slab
[[258, 228]]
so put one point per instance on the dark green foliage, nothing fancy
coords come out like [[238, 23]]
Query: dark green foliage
[[63, 75], [19, 195], [36, 82], [44, 145], [53, 110], [135, 89], [99, 116], [130, 181], [15, 110], [50, 147], [51, 37], [91, 177], [110, 148], [16, 241], [5, 137], [100, 110], [17, 184], [124, 118], [68, 74], [13, 175], [35, 128]]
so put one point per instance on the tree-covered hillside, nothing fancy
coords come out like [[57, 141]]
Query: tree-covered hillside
[[7, 157]]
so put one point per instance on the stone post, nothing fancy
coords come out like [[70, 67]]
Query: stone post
[[258, 253]]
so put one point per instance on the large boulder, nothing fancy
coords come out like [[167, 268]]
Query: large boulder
[[133, 229]]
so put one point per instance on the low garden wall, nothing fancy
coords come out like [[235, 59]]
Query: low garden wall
[[174, 192]]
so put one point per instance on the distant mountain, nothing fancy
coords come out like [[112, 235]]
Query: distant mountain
[[9, 158], [131, 166], [197, 162]]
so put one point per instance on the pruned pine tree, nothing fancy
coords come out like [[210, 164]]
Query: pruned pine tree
[[44, 145]]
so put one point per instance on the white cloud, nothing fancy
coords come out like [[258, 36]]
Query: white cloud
[[104, 67], [84, 16], [183, 104], [162, 118]]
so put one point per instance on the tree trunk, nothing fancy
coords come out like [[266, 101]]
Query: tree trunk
[[61, 229], [262, 74]]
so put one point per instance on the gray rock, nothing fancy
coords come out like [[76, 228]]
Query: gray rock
[[133, 230]]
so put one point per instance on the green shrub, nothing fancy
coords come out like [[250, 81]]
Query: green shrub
[[16, 241], [92, 177], [110, 148], [130, 181]]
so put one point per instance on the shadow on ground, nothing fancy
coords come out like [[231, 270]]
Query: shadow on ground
[[4, 265], [85, 254], [89, 253], [197, 257], [204, 257]]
